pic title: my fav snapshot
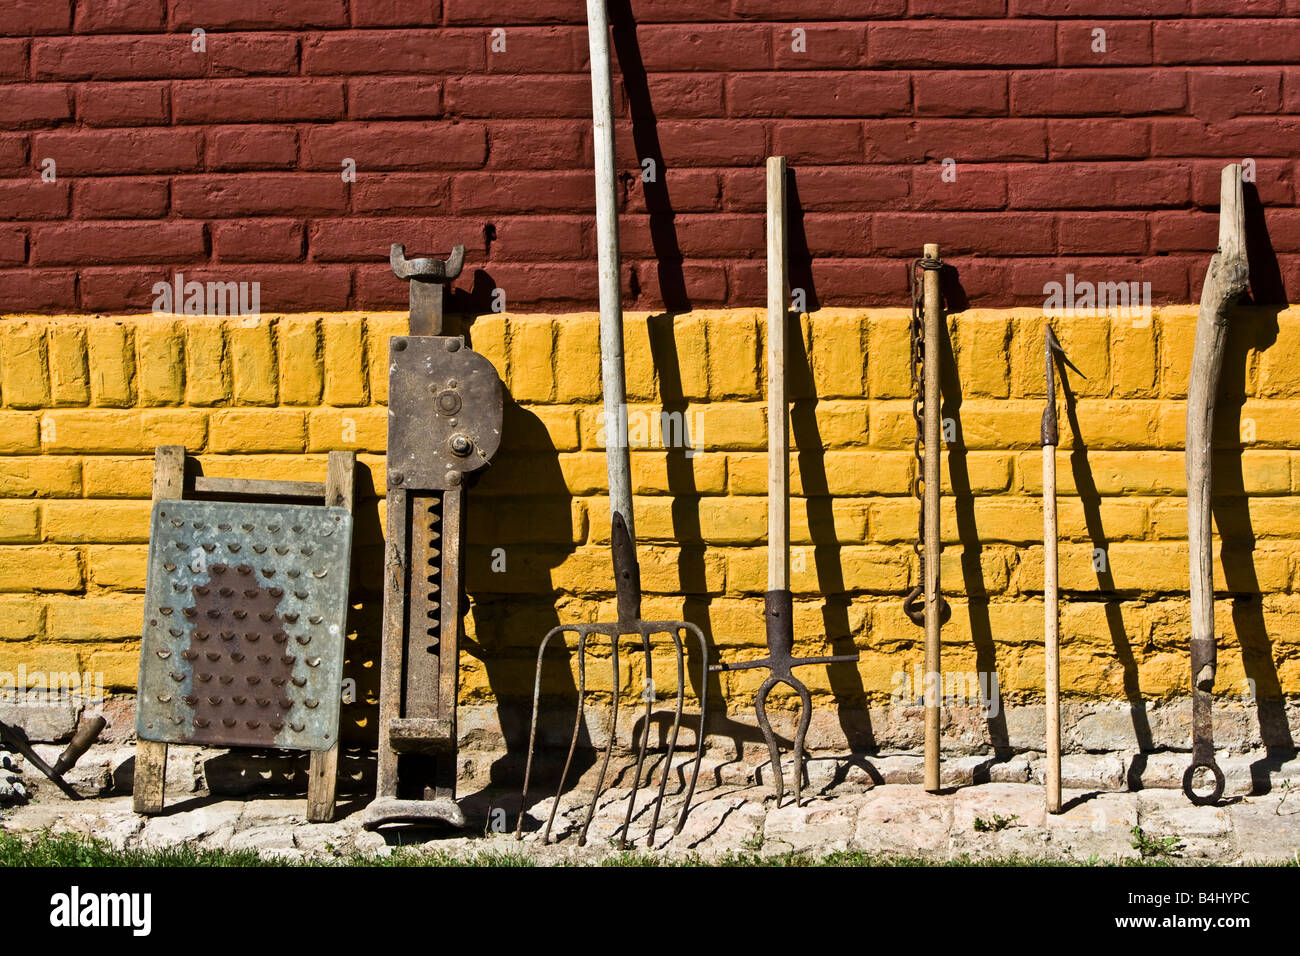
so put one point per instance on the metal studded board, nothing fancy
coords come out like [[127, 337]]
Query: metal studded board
[[244, 624]]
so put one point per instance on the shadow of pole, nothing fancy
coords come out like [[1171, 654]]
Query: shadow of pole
[[972, 568], [645, 136], [1090, 499]]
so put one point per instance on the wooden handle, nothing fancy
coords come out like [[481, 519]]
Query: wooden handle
[[1051, 632], [86, 735], [778, 436], [933, 450]]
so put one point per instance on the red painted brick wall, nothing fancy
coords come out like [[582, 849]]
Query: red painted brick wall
[[227, 163]]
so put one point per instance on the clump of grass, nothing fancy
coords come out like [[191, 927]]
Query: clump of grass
[[1154, 848], [999, 822]]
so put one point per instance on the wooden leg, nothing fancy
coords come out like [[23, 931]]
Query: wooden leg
[[321, 782], [151, 755], [150, 776], [322, 779]]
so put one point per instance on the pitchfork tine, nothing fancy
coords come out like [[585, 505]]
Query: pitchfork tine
[[577, 723], [672, 740], [609, 747], [760, 708], [532, 734], [699, 736], [805, 718], [645, 739]]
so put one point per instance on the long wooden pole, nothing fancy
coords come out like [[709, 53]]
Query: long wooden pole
[[778, 436], [1225, 280], [933, 678], [1051, 612], [611, 304]]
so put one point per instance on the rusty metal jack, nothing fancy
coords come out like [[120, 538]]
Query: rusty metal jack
[[444, 424]]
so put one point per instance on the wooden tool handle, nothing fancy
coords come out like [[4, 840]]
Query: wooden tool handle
[[86, 735], [778, 436], [933, 449]]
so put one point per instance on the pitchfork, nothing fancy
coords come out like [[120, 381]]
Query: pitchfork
[[778, 601], [627, 572]]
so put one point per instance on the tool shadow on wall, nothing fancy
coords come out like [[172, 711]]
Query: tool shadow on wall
[[974, 586], [670, 275], [1254, 330], [845, 680], [520, 527], [1113, 606]]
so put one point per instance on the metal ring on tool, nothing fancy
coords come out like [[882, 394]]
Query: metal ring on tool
[[1189, 780]]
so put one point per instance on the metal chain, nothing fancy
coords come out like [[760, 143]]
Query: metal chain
[[918, 405], [918, 268]]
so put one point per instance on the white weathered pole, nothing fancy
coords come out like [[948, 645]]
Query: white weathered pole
[[1050, 438], [778, 436], [611, 304], [933, 603], [1052, 629]]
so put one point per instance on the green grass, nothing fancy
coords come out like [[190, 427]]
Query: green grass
[[48, 849]]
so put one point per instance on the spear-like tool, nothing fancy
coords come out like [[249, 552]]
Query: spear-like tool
[[1050, 439], [1225, 280]]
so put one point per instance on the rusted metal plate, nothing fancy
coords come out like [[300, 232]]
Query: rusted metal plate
[[244, 624], [444, 411]]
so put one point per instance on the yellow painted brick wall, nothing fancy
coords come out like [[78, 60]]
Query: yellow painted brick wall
[[84, 400]]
